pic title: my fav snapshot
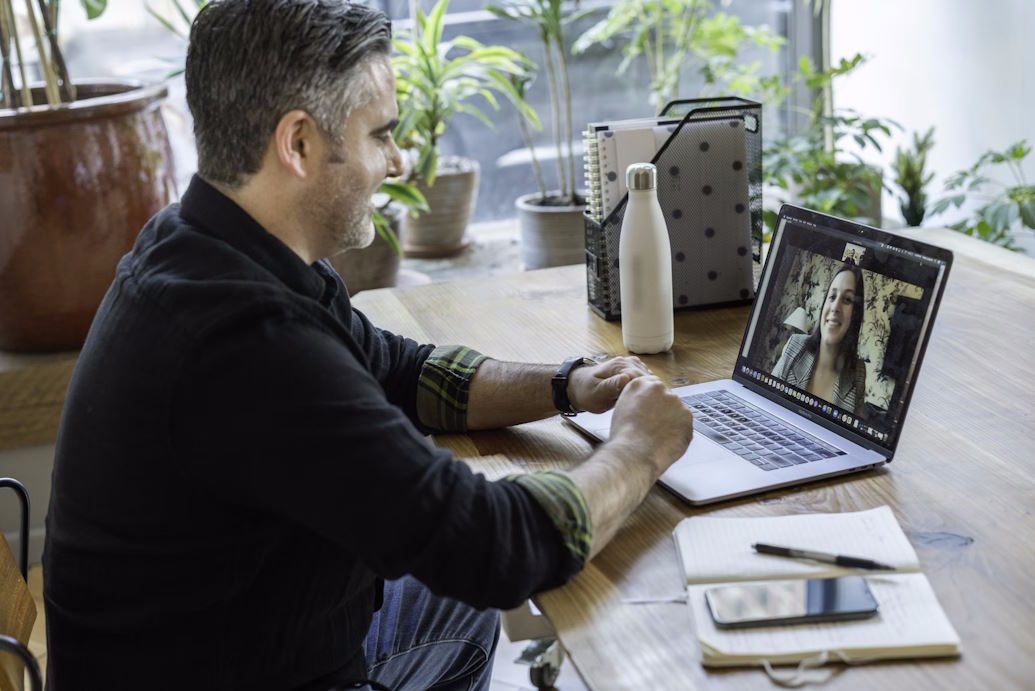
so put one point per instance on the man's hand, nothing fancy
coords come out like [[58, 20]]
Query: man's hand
[[596, 387], [650, 429], [653, 419]]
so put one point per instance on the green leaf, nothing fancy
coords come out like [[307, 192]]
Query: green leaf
[[1027, 211], [187, 18], [163, 21], [384, 229], [1000, 214], [432, 30], [770, 218], [94, 8], [477, 113], [405, 193], [1018, 151]]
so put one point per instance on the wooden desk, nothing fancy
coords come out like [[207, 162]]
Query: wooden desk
[[962, 483]]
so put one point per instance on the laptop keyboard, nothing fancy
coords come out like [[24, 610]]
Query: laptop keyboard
[[754, 435]]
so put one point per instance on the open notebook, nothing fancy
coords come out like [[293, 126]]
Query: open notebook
[[909, 622]]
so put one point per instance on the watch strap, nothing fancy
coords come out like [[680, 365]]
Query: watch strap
[[559, 385]]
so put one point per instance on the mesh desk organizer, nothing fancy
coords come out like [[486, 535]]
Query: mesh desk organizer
[[710, 190]]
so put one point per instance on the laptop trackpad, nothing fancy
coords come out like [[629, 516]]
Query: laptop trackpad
[[705, 471]]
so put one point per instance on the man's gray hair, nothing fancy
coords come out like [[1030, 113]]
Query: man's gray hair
[[252, 61]]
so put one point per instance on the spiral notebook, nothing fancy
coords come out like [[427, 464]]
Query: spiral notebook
[[910, 622], [610, 148]]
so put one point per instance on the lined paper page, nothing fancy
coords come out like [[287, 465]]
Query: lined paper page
[[909, 623], [717, 550]]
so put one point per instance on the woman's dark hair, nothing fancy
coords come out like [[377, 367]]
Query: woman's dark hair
[[251, 61], [849, 347]]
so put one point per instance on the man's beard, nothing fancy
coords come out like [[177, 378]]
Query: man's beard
[[346, 226], [354, 230]]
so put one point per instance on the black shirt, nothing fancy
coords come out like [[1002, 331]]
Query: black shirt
[[239, 464]]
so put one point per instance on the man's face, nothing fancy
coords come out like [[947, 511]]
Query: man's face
[[351, 173]]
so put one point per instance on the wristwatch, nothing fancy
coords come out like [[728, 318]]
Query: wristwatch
[[560, 384]]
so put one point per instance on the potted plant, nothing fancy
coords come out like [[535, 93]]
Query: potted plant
[[552, 231], [1007, 218], [674, 34], [435, 81], [815, 169], [85, 164], [911, 176]]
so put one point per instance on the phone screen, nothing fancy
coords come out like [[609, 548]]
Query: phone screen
[[791, 602]]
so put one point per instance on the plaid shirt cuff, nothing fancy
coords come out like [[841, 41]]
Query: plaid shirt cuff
[[566, 507], [443, 387]]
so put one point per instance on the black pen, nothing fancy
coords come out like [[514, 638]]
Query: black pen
[[839, 559]]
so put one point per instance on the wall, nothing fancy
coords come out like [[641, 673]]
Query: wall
[[966, 67]]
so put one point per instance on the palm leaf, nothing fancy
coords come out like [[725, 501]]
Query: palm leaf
[[432, 31]]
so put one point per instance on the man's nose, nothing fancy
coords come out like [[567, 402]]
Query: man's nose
[[395, 162]]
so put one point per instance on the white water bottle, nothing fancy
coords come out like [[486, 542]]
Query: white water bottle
[[645, 266]]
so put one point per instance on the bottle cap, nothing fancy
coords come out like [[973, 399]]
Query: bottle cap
[[641, 176]]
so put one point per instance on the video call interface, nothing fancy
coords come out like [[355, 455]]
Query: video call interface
[[839, 327]]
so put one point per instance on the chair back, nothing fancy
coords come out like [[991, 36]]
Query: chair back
[[17, 615], [17, 610]]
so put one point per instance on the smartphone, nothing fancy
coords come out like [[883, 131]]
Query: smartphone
[[790, 602]]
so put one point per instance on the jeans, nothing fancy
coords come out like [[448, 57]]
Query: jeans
[[421, 641]]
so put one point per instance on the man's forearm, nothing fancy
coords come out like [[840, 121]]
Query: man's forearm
[[613, 481], [509, 393]]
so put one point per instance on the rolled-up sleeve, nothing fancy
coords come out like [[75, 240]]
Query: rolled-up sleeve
[[562, 501], [444, 386]]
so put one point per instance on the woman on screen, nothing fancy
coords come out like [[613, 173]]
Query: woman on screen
[[826, 362]]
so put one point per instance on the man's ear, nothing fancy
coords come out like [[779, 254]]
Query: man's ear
[[295, 142]]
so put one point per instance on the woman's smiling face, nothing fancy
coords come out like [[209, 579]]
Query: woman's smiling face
[[837, 308]]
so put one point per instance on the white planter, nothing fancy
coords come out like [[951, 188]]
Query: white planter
[[550, 235]]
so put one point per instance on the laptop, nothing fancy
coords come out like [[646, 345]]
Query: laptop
[[787, 416]]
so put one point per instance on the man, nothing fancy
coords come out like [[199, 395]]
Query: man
[[242, 457]]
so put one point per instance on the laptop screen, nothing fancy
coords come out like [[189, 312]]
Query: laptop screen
[[841, 322]]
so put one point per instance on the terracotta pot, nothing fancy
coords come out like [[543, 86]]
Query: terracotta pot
[[440, 231], [79, 181], [375, 266], [551, 235]]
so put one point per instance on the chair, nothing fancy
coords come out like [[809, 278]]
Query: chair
[[17, 610]]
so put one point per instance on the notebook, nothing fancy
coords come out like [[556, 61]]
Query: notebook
[[910, 622], [610, 148], [767, 426]]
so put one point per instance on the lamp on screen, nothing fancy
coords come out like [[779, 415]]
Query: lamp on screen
[[797, 321]]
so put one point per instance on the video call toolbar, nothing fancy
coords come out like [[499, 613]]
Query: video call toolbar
[[845, 419]]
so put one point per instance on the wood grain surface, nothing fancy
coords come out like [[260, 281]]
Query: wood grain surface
[[962, 483], [17, 614]]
